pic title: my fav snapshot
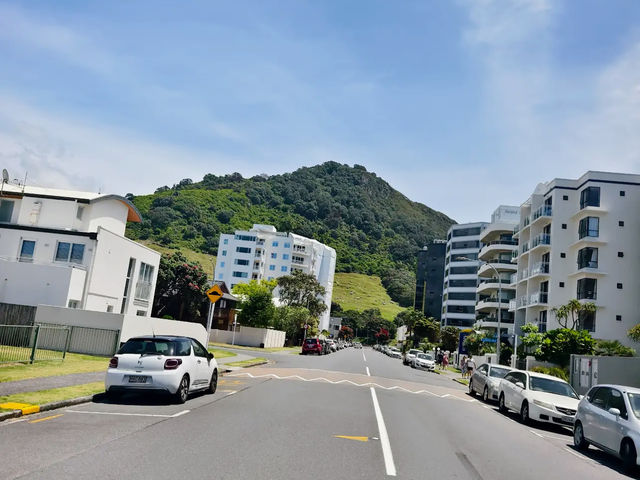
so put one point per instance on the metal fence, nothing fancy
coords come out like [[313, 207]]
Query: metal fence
[[23, 343]]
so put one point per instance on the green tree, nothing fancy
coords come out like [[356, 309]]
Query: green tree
[[302, 290], [345, 332], [426, 328], [634, 333], [408, 318], [558, 345], [531, 339], [256, 305], [568, 315], [400, 284], [613, 348], [180, 288], [475, 344], [449, 338]]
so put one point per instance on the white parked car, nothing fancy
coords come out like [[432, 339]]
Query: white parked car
[[425, 361], [393, 352], [609, 418], [332, 345], [486, 380], [408, 357], [175, 365], [538, 397]]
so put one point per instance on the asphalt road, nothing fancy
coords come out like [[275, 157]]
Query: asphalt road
[[288, 420]]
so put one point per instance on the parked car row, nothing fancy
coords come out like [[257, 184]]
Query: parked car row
[[321, 346], [607, 417]]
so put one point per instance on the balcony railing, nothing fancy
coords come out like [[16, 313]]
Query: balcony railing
[[512, 304], [500, 242], [540, 268], [543, 211], [522, 301], [143, 291], [513, 278], [504, 281], [539, 298], [542, 239], [524, 248], [504, 318]]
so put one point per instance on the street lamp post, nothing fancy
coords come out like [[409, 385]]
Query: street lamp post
[[499, 302]]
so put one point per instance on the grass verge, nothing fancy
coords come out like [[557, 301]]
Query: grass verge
[[247, 363], [219, 353], [463, 381], [54, 395], [73, 363]]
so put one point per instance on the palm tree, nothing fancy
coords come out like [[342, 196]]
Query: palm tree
[[572, 311]]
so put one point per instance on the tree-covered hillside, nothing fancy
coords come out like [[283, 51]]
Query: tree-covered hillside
[[374, 228]]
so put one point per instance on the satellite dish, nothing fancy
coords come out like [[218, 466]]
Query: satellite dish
[[5, 176]]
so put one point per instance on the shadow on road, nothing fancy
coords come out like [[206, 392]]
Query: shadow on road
[[140, 398]]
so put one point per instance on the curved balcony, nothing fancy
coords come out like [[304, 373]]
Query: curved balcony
[[541, 242], [492, 303], [542, 215], [497, 246], [539, 269], [497, 264]]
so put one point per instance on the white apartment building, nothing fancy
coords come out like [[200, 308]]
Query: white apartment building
[[263, 253], [494, 275], [461, 275], [68, 249], [580, 239]]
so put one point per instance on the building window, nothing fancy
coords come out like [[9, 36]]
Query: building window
[[240, 274], [245, 238], [587, 321], [73, 304], [461, 309], [619, 286], [462, 270], [589, 227], [564, 226], [26, 250], [6, 210], [141, 313], [542, 322], [285, 256], [221, 264], [109, 308], [620, 254], [619, 317], [590, 197], [287, 245], [220, 276], [224, 253], [563, 255], [620, 223], [588, 258], [272, 267], [243, 249], [587, 288], [145, 279], [274, 244], [565, 197], [69, 252], [283, 268], [274, 255], [622, 193], [80, 212], [127, 285], [225, 241], [240, 261], [561, 284]]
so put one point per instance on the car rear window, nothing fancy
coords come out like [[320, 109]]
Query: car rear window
[[152, 346], [498, 372], [311, 341]]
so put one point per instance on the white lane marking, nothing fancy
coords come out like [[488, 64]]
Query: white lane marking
[[365, 358], [544, 435], [384, 437], [366, 384], [183, 412], [536, 433], [368, 371]]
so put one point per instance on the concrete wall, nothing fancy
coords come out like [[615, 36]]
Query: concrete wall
[[250, 337], [32, 283], [587, 371]]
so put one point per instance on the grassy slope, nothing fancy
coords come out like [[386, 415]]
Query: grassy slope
[[354, 291], [207, 261]]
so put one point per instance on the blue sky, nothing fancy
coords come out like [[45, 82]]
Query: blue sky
[[461, 105]]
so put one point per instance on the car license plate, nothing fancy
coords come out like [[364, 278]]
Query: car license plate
[[567, 418], [137, 379]]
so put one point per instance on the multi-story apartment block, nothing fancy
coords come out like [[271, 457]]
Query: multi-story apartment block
[[68, 249], [580, 239], [494, 275], [263, 253], [429, 279], [461, 275]]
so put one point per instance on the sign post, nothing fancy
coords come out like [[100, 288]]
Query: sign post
[[214, 294]]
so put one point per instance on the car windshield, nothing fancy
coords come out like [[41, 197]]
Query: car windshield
[[413, 352], [634, 401], [424, 356], [152, 346], [539, 384], [498, 372]]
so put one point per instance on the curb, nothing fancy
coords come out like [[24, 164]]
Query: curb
[[47, 406]]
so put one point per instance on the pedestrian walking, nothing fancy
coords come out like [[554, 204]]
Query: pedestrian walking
[[471, 366], [463, 366], [445, 361]]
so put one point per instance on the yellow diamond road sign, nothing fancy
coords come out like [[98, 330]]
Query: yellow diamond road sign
[[214, 294]]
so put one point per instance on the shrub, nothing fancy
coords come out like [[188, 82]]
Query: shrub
[[554, 371]]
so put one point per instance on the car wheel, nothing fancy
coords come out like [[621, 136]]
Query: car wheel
[[628, 455], [471, 392], [524, 413], [213, 385], [578, 437], [501, 406], [485, 394], [183, 390]]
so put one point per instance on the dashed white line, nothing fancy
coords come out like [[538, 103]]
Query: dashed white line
[[183, 412], [369, 374], [365, 358], [384, 437]]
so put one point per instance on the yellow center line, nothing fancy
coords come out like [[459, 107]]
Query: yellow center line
[[46, 418], [349, 437]]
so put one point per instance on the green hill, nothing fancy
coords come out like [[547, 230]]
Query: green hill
[[375, 229], [354, 291]]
